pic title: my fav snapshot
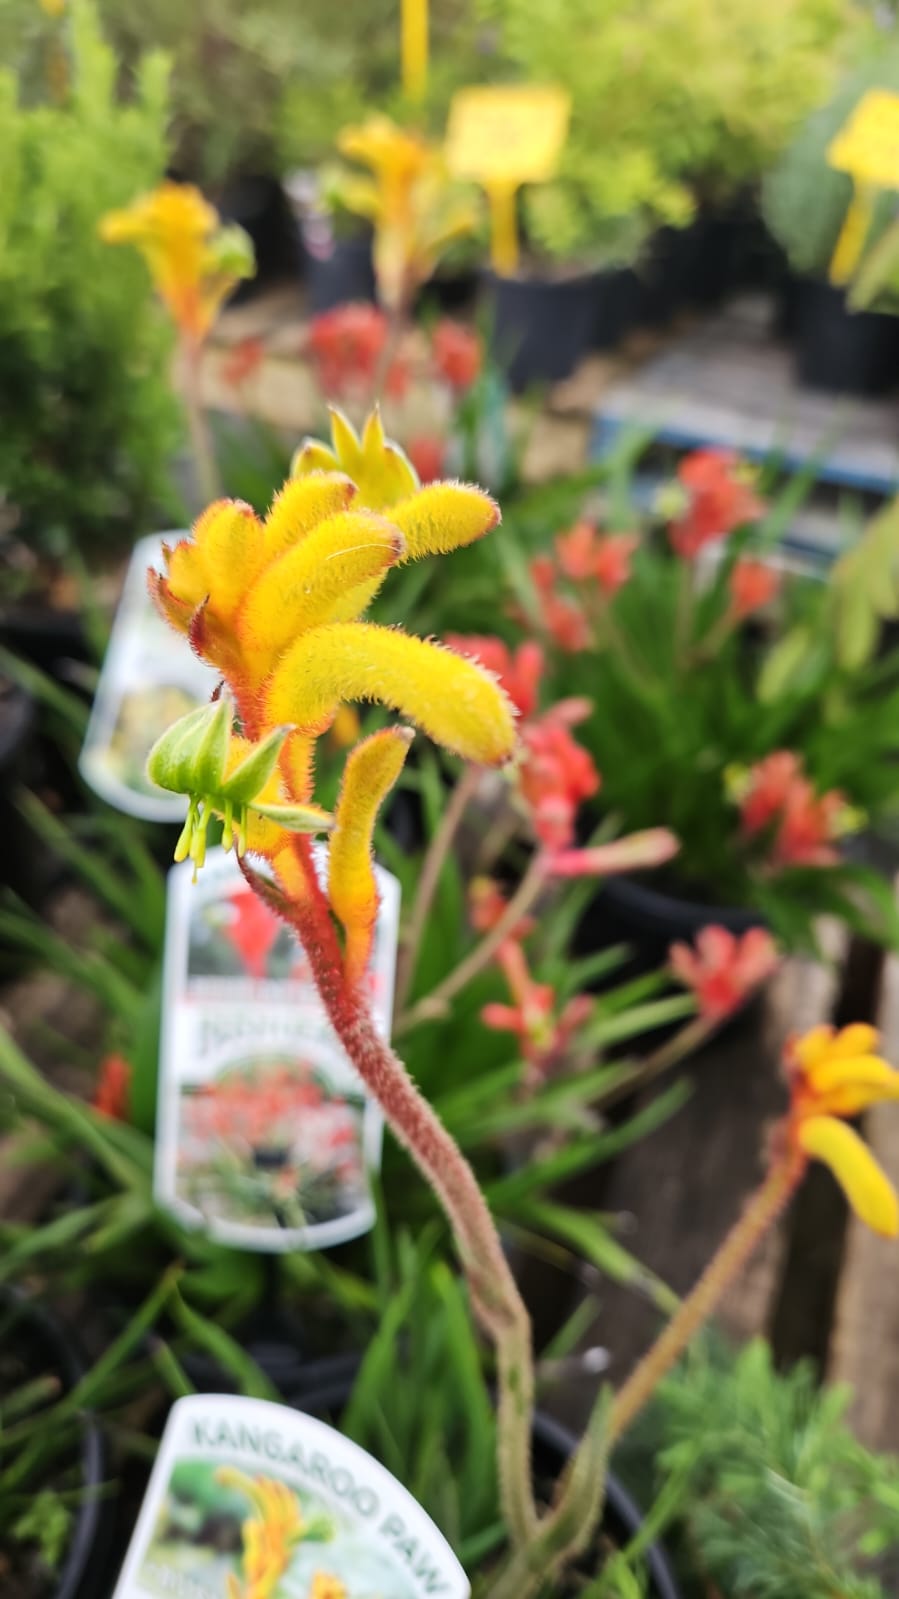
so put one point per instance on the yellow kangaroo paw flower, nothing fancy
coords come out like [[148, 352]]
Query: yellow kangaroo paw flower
[[299, 591], [177, 612], [444, 517], [187, 576], [455, 702], [371, 770], [302, 504], [313, 456], [866, 1186], [844, 1087], [228, 539]]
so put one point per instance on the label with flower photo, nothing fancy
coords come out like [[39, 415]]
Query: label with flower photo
[[266, 1137], [249, 1498], [150, 677]]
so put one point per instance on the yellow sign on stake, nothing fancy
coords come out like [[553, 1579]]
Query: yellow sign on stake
[[502, 137], [867, 147]]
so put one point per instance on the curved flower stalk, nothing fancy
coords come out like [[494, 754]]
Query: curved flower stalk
[[276, 606], [195, 262]]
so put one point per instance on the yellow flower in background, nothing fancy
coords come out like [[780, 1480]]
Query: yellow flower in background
[[833, 1076], [414, 206], [277, 607], [194, 261]]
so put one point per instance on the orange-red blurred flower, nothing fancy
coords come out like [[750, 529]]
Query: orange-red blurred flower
[[561, 617], [487, 905], [719, 498], [252, 931], [519, 670], [543, 1034], [753, 584], [427, 453], [457, 353], [584, 553], [779, 797], [808, 827], [112, 1096], [723, 969], [346, 345], [242, 361], [556, 773]]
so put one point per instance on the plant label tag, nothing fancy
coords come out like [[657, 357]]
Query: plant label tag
[[506, 135], [150, 677], [248, 1498], [266, 1137], [867, 146]]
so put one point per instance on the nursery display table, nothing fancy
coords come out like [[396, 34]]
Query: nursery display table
[[730, 382]]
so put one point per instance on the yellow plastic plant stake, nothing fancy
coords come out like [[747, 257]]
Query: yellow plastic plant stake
[[414, 48], [867, 147], [503, 137]]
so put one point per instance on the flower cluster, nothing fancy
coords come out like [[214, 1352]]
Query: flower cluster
[[276, 607], [545, 1033], [555, 774], [195, 262], [256, 1111], [779, 807], [346, 346], [712, 497], [723, 970]]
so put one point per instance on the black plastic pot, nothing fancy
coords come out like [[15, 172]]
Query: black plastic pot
[[540, 327], [47, 637], [553, 1447], [628, 911], [618, 300], [258, 204], [53, 1348], [18, 850], [338, 271], [843, 351]]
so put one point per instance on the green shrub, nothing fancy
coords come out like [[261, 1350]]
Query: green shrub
[[778, 1498], [87, 419], [670, 100]]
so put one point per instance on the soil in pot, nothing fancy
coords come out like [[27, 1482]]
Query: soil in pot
[[843, 351], [553, 1446], [33, 1346], [540, 327]]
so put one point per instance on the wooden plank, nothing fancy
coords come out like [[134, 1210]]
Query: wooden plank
[[678, 1192], [865, 1343]]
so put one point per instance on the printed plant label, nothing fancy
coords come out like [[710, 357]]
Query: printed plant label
[[247, 1498], [266, 1137], [150, 677]]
